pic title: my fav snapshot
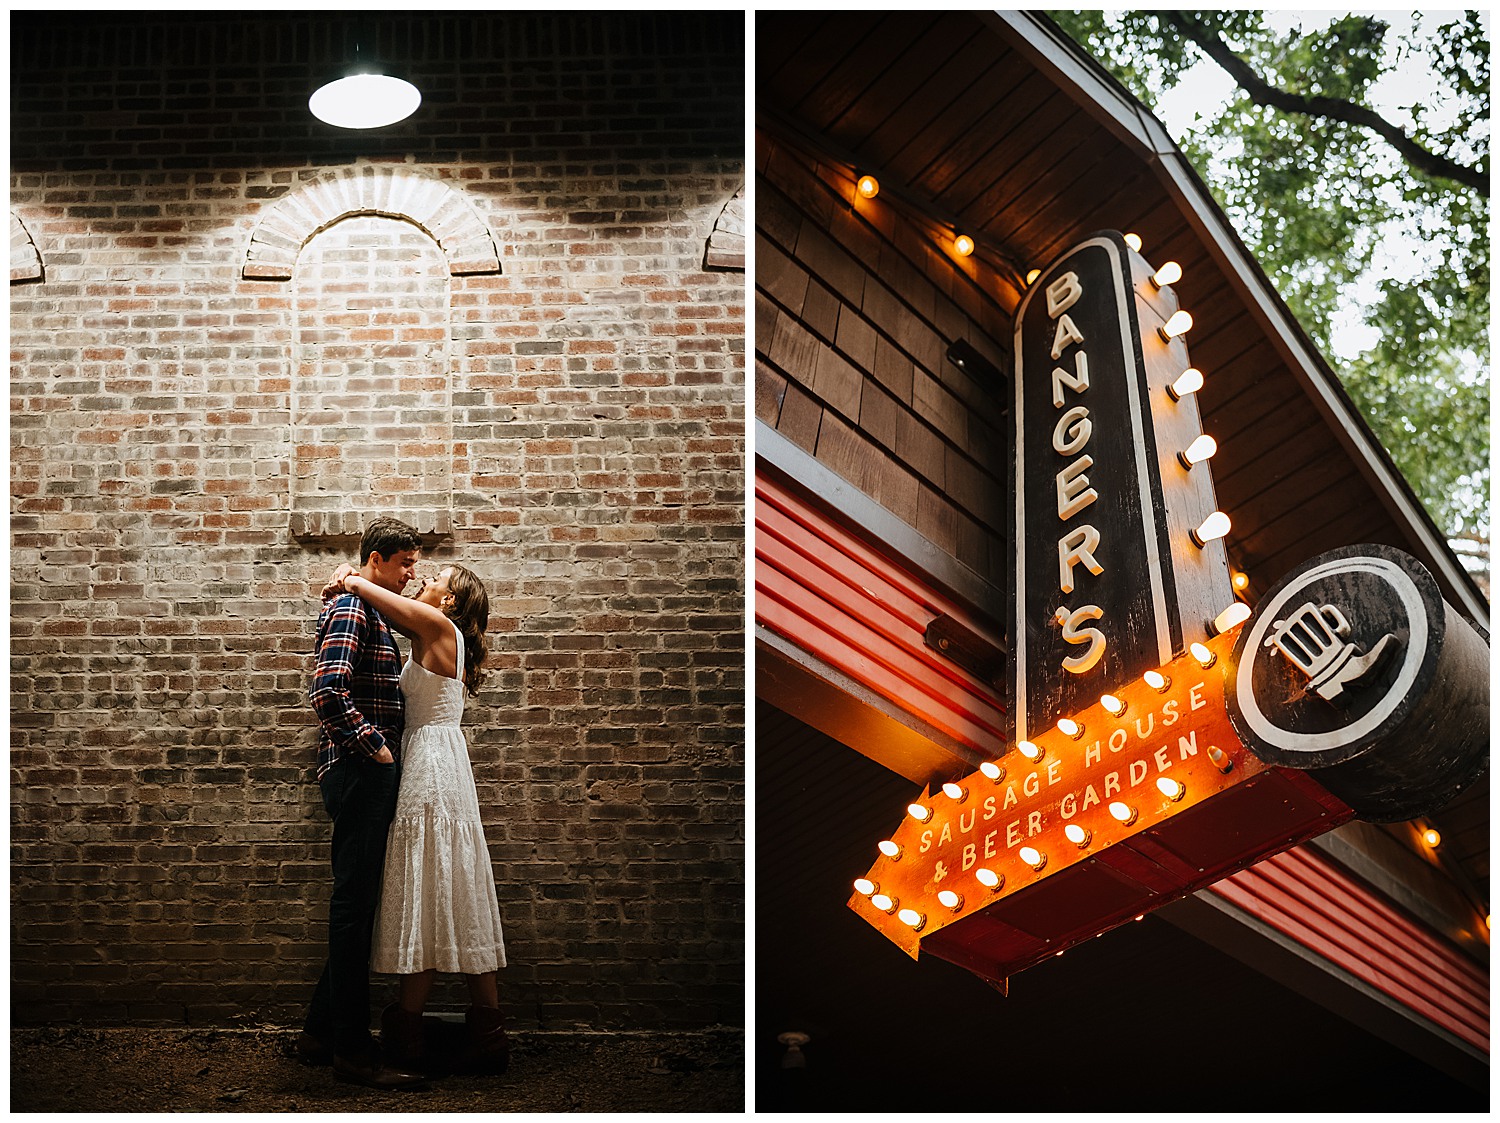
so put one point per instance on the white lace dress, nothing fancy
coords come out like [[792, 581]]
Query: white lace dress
[[437, 904]]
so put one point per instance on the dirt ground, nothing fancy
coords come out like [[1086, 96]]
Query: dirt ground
[[120, 1070]]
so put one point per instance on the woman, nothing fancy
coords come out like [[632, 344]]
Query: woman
[[438, 910]]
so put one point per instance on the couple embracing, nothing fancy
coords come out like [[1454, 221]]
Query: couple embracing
[[413, 888]]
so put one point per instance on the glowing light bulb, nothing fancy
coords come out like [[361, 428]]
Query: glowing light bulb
[[1199, 451], [963, 245], [365, 101], [884, 902], [864, 886], [1133, 241], [1123, 812], [1032, 275], [1239, 579], [1205, 657], [1179, 323], [1168, 274], [1112, 704], [1032, 857], [1156, 680], [950, 900], [1070, 727], [868, 186], [992, 771], [1028, 750], [918, 812], [1076, 834], [956, 792], [890, 849], [1188, 382], [1210, 529], [1431, 837], [988, 878], [1232, 617], [912, 918], [1170, 788]]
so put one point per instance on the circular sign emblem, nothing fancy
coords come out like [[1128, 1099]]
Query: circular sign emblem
[[1336, 656]]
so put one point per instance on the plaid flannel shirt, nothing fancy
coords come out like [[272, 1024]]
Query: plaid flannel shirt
[[356, 684]]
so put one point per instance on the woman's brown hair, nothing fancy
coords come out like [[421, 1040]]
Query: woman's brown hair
[[470, 611]]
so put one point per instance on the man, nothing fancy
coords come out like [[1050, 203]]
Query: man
[[357, 697]]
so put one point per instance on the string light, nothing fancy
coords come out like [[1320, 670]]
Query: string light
[[963, 245], [1156, 681], [989, 879], [918, 812], [1211, 529], [912, 918], [1033, 275], [1179, 323], [891, 850], [992, 771], [1070, 728], [1170, 788], [1030, 751], [1233, 616], [956, 792], [1123, 812], [1168, 274], [868, 186], [1199, 451], [1077, 835], [1205, 657], [950, 900], [1133, 241], [884, 902], [1032, 857], [864, 886], [1239, 579], [1188, 382], [1432, 838], [1112, 704]]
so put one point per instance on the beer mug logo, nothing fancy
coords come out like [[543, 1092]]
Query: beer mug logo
[[1314, 639]]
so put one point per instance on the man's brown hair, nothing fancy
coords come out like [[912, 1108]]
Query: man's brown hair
[[388, 537]]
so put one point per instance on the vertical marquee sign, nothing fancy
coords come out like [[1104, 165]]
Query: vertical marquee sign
[[1109, 581]]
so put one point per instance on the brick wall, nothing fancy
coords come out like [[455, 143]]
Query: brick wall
[[193, 442]]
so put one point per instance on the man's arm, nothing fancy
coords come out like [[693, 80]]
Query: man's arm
[[338, 646]]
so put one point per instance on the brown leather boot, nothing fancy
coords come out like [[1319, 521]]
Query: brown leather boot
[[487, 1050], [401, 1039]]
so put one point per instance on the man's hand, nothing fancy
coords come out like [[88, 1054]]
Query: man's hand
[[336, 585], [384, 756]]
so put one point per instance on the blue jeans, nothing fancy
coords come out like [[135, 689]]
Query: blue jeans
[[360, 796]]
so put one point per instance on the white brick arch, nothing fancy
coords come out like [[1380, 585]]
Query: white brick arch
[[726, 245], [443, 213], [25, 258]]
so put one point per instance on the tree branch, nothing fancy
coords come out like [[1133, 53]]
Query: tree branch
[[1335, 109]]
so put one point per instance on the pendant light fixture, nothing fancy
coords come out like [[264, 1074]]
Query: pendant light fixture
[[365, 97]]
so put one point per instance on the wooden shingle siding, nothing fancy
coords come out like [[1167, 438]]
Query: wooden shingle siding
[[853, 325]]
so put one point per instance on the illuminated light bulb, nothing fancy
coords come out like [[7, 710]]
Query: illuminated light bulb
[[1156, 681], [1029, 751], [884, 902], [912, 918], [1188, 382], [864, 886], [1431, 837], [1170, 788], [1112, 704], [1210, 529], [918, 812], [868, 186], [890, 849], [1032, 857], [1168, 274], [963, 245], [1141, 917], [1205, 657], [956, 792], [992, 771], [1123, 812], [1033, 275], [950, 900], [1231, 618], [1179, 323], [1076, 834], [1221, 760], [1069, 727], [988, 878], [1133, 241], [1239, 579], [1199, 451], [364, 101]]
